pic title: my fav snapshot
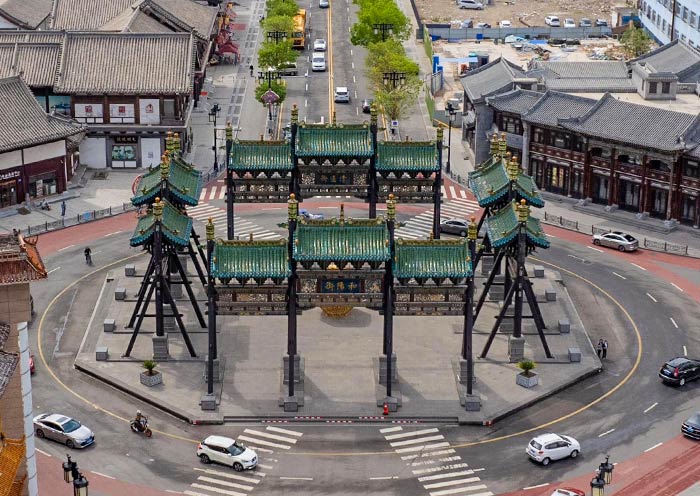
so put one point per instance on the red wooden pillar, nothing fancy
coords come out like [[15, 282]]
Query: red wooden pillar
[[644, 189], [612, 183]]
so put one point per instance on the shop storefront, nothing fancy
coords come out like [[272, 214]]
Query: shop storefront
[[629, 194], [599, 188], [690, 208], [10, 180]]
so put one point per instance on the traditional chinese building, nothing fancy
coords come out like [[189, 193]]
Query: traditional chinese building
[[24, 14], [36, 149]]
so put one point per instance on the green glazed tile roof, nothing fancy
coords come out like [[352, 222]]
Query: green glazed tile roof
[[407, 156], [502, 228], [246, 259], [527, 189], [184, 184], [176, 227], [490, 182], [349, 241], [432, 258], [345, 140], [261, 156]]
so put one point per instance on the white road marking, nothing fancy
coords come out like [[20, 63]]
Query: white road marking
[[677, 287], [266, 467], [220, 482], [390, 477], [674, 323], [595, 249], [66, 247], [655, 446], [390, 429], [432, 453], [423, 447], [228, 475], [112, 233], [438, 485], [651, 407], [54, 269], [577, 258], [685, 351], [652, 298], [271, 436], [445, 475], [535, 487], [417, 440], [638, 266], [273, 208], [410, 434], [618, 275], [439, 469], [606, 433], [258, 448], [101, 474], [297, 478], [42, 452], [285, 431], [463, 490], [215, 490]]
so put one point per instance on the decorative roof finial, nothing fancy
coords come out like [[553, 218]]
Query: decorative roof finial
[[334, 118], [210, 230], [251, 237], [295, 114], [158, 209], [513, 168], [229, 131], [494, 145], [342, 213], [176, 144], [164, 167], [169, 141], [523, 211], [502, 145], [373, 114], [472, 229], [440, 135], [292, 207], [391, 207]]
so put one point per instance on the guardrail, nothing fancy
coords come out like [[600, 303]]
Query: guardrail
[[649, 244], [74, 220]]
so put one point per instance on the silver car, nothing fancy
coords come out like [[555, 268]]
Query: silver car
[[454, 226], [63, 429], [616, 239]]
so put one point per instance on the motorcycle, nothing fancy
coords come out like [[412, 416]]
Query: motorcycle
[[139, 427]]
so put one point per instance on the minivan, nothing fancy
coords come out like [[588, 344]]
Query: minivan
[[318, 61], [287, 69], [470, 4]]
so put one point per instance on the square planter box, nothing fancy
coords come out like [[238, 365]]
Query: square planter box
[[151, 380], [525, 381]]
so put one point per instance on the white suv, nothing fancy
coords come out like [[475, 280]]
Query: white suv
[[341, 95], [552, 20], [548, 447], [318, 62], [227, 451]]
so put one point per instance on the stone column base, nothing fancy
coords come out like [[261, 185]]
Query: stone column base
[[208, 402], [382, 369], [516, 349], [161, 352], [217, 368]]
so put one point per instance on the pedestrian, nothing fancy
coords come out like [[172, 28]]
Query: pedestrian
[[251, 70], [88, 255], [599, 347], [605, 348], [63, 208]]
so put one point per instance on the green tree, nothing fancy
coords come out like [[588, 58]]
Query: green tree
[[278, 23], [277, 87], [274, 55], [635, 41], [395, 102], [287, 8], [379, 12], [388, 56]]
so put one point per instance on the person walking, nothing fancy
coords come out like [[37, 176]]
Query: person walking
[[63, 208], [599, 347], [605, 348], [251, 70], [88, 255]]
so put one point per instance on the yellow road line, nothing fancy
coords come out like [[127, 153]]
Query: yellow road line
[[329, 44], [53, 374]]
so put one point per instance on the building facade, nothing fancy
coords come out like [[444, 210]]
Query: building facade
[[670, 20]]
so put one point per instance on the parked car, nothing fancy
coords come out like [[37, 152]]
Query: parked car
[[227, 451], [569, 23], [323, 4], [484, 25], [319, 45], [470, 4], [454, 226], [63, 429], [550, 447], [309, 216], [568, 491], [680, 370], [585, 23], [505, 24], [466, 24], [367, 105], [691, 427], [341, 95], [287, 69], [318, 62], [552, 20], [616, 239], [601, 23]]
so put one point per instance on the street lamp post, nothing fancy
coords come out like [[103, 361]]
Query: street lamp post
[[269, 76], [452, 114], [597, 485], [392, 81], [72, 474], [384, 28], [606, 469], [215, 109], [277, 36]]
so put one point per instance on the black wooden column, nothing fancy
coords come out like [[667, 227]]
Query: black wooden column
[[389, 294], [294, 180], [437, 187], [292, 213], [211, 302], [372, 182], [467, 351], [523, 214], [230, 199], [158, 264]]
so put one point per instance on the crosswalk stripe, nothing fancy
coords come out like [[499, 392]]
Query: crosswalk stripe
[[266, 467], [195, 493], [408, 235], [437, 485], [224, 483], [432, 453], [423, 447], [222, 193], [271, 436], [463, 490], [445, 475], [416, 441], [431, 470], [453, 193], [217, 490], [212, 193], [463, 193], [264, 443], [228, 475], [285, 431], [390, 429], [258, 448], [410, 434], [443, 190]]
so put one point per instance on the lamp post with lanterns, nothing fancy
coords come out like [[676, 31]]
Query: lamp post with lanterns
[[452, 113], [213, 112], [602, 477], [277, 36], [384, 28], [72, 474]]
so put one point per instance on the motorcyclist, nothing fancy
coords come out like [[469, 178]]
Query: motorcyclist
[[141, 420]]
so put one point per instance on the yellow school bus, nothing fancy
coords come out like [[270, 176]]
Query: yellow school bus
[[299, 34]]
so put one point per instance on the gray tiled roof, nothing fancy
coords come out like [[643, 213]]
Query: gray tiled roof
[[555, 105], [24, 123], [143, 23], [185, 13], [85, 15], [8, 364], [126, 63], [516, 101], [35, 63], [601, 85], [27, 14], [675, 57], [490, 78], [4, 334], [593, 76], [7, 36], [630, 123]]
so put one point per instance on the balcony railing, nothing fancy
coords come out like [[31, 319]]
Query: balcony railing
[[12, 452]]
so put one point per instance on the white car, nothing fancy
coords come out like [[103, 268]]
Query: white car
[[552, 20], [63, 429], [616, 239], [470, 4], [318, 62], [310, 216], [323, 4], [341, 95], [569, 23], [227, 451], [320, 45], [568, 491], [549, 447], [505, 24]]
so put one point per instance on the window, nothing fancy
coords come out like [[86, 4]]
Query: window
[[693, 18], [678, 8], [600, 152], [683, 37], [652, 86], [663, 25], [629, 159], [560, 140], [691, 168], [510, 124], [169, 108], [538, 135], [666, 87], [659, 165]]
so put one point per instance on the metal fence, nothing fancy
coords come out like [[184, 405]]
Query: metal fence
[[649, 244], [450, 33], [74, 220]]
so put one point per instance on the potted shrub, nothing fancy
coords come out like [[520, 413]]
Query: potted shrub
[[150, 377], [527, 378]]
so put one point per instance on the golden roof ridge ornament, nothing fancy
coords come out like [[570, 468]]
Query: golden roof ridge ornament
[[210, 230], [164, 167], [523, 211], [391, 207]]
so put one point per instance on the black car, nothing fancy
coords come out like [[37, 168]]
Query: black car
[[601, 23], [691, 427], [680, 370], [367, 105]]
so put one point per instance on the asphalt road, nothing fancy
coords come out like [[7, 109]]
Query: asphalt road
[[357, 459]]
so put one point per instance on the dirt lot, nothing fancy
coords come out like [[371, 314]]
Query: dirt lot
[[519, 12]]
